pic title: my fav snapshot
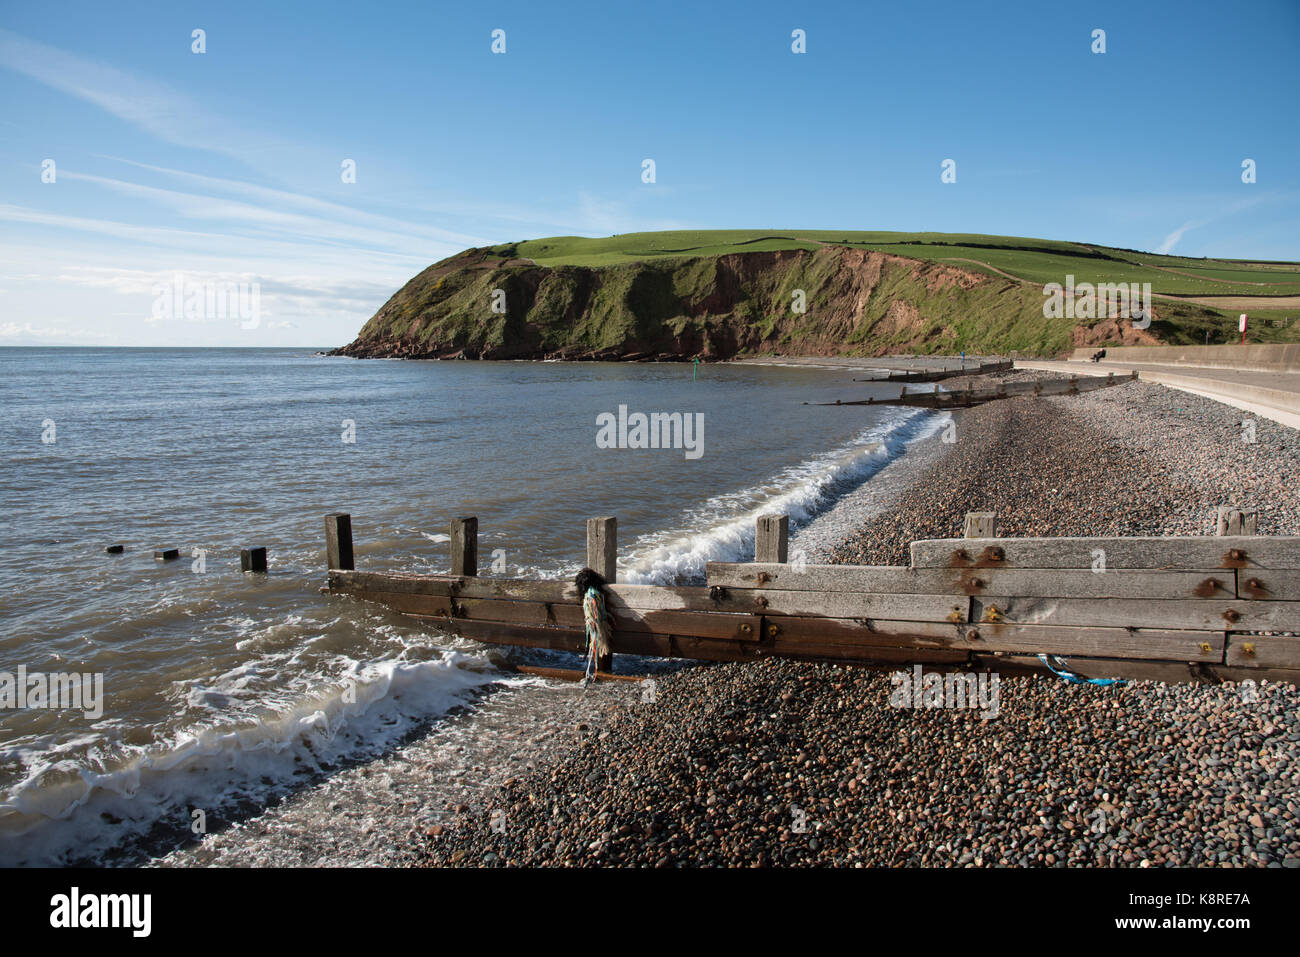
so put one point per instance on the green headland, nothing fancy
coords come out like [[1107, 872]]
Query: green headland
[[726, 293]]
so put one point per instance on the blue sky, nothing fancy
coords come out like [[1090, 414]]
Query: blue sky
[[225, 166]]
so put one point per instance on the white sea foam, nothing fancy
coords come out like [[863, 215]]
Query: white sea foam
[[64, 812], [723, 528]]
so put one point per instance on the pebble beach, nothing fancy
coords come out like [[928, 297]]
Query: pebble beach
[[785, 763]]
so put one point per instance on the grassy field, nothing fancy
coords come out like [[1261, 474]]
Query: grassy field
[[1033, 260]]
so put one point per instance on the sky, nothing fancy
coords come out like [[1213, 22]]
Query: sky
[[132, 166]]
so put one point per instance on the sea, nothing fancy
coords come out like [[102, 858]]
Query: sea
[[223, 694]]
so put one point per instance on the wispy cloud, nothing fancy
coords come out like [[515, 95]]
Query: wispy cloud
[[258, 217], [152, 106], [324, 209], [1170, 241]]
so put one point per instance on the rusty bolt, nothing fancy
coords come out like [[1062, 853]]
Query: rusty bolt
[[960, 555], [1231, 616], [717, 592], [1249, 649], [764, 578], [1205, 648], [746, 629], [993, 554], [1236, 554], [1255, 584], [955, 615], [773, 631], [992, 614], [762, 602], [972, 635]]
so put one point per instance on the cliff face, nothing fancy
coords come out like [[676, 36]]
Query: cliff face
[[858, 302]]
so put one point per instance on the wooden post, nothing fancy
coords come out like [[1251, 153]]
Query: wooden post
[[981, 525], [1236, 521], [771, 538], [166, 554], [252, 559], [602, 547], [464, 546], [602, 558], [338, 541]]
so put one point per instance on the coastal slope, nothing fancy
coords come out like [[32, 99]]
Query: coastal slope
[[726, 294]]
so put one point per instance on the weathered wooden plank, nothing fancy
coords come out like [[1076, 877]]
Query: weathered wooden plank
[[504, 588], [525, 636], [1141, 643], [602, 558], [935, 399], [1264, 651], [935, 375], [905, 607], [1233, 614], [771, 539], [1186, 552], [624, 642], [1236, 521], [981, 525], [1047, 583], [1155, 644], [733, 627], [602, 546], [689, 623], [1269, 584]]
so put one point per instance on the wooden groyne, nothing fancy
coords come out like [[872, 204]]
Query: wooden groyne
[[936, 375], [1204, 608], [965, 398]]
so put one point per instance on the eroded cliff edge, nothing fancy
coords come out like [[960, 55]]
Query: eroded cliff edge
[[858, 302]]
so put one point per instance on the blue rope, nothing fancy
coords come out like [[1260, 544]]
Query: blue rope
[[1074, 679]]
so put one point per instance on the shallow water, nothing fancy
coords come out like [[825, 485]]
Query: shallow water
[[225, 690]]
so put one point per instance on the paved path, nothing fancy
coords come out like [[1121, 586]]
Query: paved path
[[1273, 395]]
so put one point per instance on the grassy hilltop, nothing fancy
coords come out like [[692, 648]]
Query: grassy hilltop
[[721, 293]]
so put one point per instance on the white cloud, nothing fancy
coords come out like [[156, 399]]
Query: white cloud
[[147, 104], [1172, 239]]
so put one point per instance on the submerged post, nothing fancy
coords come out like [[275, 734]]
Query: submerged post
[[1236, 521], [771, 538], [338, 541], [464, 546], [252, 559], [602, 558], [981, 525]]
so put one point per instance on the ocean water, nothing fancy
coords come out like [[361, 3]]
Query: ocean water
[[223, 690]]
